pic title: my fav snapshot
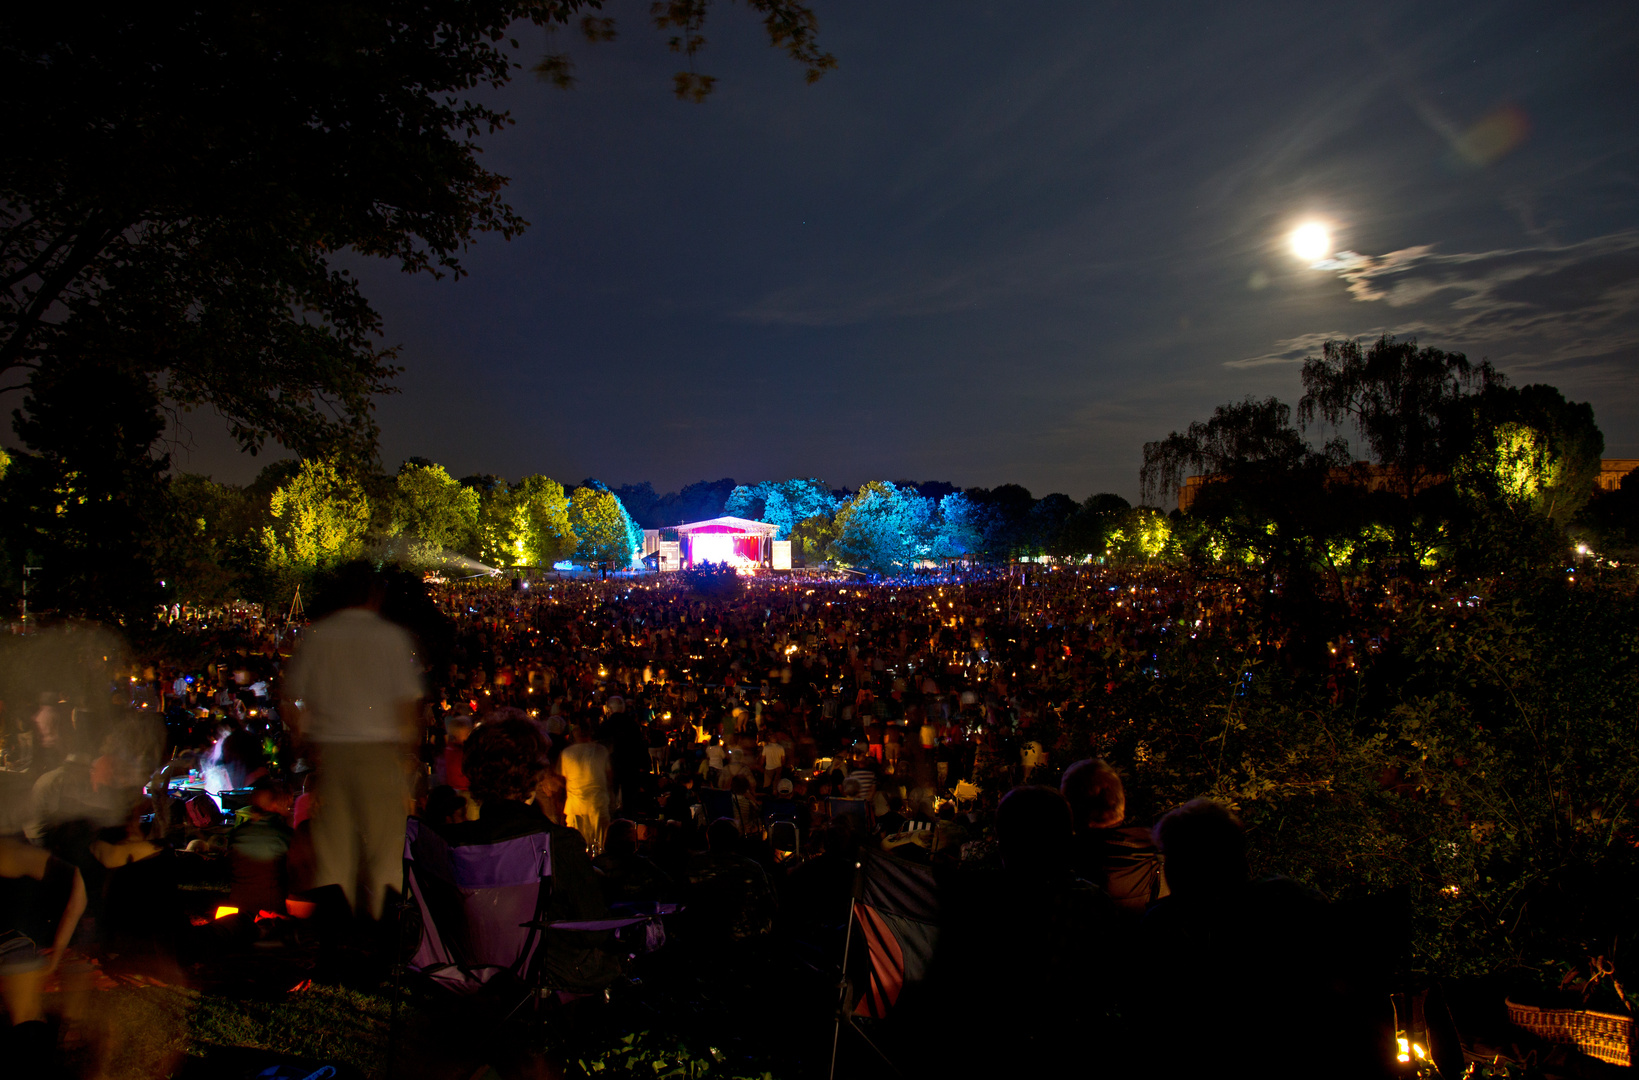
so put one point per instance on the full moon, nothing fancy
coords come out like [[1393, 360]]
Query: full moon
[[1311, 243]]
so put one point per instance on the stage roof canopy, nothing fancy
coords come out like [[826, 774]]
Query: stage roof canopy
[[728, 525]]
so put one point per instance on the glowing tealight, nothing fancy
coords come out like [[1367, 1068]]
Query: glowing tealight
[[1311, 242]]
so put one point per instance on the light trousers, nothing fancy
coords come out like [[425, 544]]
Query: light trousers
[[358, 826], [590, 818]]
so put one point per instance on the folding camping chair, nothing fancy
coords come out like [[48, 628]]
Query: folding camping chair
[[785, 838], [895, 914], [480, 909]]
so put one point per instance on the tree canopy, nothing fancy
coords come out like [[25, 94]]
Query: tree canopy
[[1410, 407], [432, 507], [317, 519], [607, 534], [179, 179], [884, 528]]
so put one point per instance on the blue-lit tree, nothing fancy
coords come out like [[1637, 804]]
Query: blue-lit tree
[[885, 528], [961, 528], [782, 503]]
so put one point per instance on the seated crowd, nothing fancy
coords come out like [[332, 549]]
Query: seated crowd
[[751, 804]]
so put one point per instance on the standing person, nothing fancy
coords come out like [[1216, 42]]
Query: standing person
[[773, 761], [41, 900], [587, 779], [352, 693]]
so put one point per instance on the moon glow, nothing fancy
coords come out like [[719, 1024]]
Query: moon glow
[[1311, 242]]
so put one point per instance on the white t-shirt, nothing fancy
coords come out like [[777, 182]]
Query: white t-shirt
[[585, 768], [353, 676], [773, 755]]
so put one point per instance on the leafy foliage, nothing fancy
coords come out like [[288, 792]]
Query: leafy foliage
[[605, 532], [90, 506], [1243, 441], [1409, 406], [1533, 451], [1480, 754], [811, 539], [434, 508], [884, 528], [961, 527], [783, 503], [317, 520]]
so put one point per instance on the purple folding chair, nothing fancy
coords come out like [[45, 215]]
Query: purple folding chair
[[481, 907]]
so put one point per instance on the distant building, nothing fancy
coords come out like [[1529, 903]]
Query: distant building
[[1612, 470]]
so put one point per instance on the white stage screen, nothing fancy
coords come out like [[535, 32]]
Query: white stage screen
[[713, 548]]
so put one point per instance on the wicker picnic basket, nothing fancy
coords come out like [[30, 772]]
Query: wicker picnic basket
[[1602, 1035]]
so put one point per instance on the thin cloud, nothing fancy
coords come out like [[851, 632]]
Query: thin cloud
[[1546, 304]]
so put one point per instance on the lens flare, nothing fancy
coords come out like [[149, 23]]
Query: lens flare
[[1311, 242]]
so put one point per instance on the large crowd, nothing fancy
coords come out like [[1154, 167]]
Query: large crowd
[[733, 753]]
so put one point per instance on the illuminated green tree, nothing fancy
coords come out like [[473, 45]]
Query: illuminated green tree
[[1088, 528], [604, 532], [217, 555], [550, 538], [319, 519], [1143, 535], [1534, 451], [430, 505], [811, 539]]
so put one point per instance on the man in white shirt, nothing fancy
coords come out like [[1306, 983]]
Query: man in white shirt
[[352, 692], [586, 781], [773, 763]]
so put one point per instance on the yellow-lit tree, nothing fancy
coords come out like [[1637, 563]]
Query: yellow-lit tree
[[433, 507], [604, 532], [543, 512], [319, 518]]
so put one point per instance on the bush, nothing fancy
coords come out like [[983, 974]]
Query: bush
[[1485, 757]]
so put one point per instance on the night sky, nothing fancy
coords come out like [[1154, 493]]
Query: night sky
[[1011, 242]]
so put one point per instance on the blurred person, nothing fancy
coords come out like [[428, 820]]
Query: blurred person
[[457, 729], [445, 806], [748, 815], [587, 780], [352, 691], [259, 849], [1031, 940], [64, 793], [41, 900], [728, 895], [787, 805], [774, 762]]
